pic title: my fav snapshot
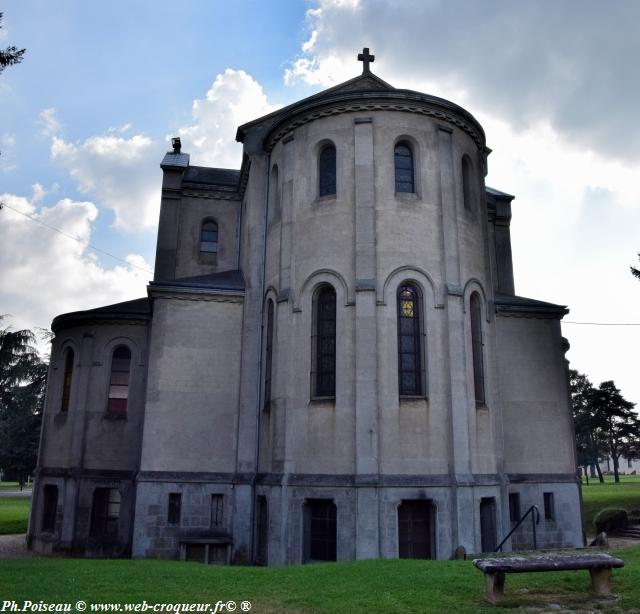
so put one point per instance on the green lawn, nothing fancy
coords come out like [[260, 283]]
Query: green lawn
[[596, 496], [364, 586], [14, 513]]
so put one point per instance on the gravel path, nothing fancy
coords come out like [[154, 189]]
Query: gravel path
[[14, 547]]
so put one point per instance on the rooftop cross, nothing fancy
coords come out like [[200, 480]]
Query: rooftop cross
[[366, 58]]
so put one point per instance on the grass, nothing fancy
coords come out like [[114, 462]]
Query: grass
[[363, 586], [14, 514], [596, 496]]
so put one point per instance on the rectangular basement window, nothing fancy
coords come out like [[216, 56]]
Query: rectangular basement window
[[175, 504], [549, 508], [514, 506]]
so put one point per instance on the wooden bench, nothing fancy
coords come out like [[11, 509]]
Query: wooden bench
[[599, 565]]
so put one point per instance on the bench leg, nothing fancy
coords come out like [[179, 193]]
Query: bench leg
[[495, 586], [601, 580]]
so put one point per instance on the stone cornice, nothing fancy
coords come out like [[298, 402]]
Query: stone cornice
[[169, 291], [358, 102]]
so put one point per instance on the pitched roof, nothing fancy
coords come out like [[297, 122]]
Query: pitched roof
[[222, 178], [521, 304], [138, 309], [227, 280], [368, 86]]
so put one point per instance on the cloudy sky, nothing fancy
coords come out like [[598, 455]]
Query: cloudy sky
[[87, 117]]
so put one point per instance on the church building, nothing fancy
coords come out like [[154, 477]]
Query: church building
[[331, 362]]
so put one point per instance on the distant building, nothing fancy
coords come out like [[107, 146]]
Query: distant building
[[331, 362]]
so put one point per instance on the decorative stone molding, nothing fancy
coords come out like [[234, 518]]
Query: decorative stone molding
[[359, 107]]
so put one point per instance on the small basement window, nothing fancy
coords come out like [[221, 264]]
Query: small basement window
[[549, 507], [175, 504], [514, 506]]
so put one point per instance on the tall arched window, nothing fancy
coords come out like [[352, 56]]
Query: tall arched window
[[324, 343], [467, 185], [66, 382], [475, 308], [209, 237], [268, 356], [119, 381], [410, 378], [327, 171], [274, 195], [403, 160]]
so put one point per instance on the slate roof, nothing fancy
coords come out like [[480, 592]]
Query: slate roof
[[223, 178], [522, 304], [367, 86], [138, 309], [228, 280], [494, 192]]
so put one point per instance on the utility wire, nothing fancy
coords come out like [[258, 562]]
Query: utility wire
[[106, 253], [65, 234], [603, 323]]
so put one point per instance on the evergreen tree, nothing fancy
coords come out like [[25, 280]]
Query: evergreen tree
[[636, 272], [22, 387], [587, 424], [620, 425], [10, 55]]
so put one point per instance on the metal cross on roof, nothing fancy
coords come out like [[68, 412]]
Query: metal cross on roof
[[366, 58]]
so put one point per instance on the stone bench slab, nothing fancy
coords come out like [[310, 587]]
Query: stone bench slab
[[551, 562], [599, 566]]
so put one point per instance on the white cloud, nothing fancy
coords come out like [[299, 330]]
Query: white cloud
[[44, 273], [572, 64], [49, 123], [233, 99], [122, 173], [119, 173]]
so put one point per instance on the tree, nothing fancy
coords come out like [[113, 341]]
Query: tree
[[635, 271], [11, 55], [620, 425], [587, 424], [22, 387]]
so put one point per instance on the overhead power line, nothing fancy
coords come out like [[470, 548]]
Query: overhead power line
[[68, 236], [603, 323]]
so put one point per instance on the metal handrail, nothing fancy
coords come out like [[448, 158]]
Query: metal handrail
[[535, 519]]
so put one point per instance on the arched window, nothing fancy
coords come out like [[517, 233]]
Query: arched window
[[209, 237], [268, 356], [410, 378], [403, 160], [324, 343], [66, 382], [274, 195], [467, 182], [327, 171], [476, 347], [119, 381]]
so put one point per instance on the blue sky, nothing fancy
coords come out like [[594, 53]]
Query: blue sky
[[86, 118]]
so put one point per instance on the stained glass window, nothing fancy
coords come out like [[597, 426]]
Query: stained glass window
[[403, 158], [209, 237], [327, 171], [467, 186], [325, 343], [66, 383], [119, 381], [268, 359], [476, 346], [409, 342]]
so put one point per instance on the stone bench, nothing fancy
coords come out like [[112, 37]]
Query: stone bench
[[599, 566]]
